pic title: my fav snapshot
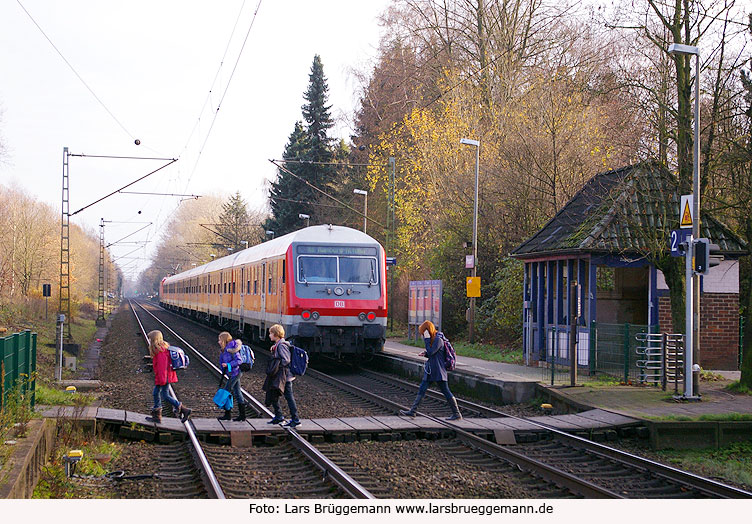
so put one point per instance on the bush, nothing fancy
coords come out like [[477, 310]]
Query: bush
[[499, 317]]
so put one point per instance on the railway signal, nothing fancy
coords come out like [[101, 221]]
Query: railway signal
[[706, 255]]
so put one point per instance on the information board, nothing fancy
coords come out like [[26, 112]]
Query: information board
[[424, 304]]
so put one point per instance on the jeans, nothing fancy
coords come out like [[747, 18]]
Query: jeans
[[233, 386], [290, 403], [443, 386], [162, 393]]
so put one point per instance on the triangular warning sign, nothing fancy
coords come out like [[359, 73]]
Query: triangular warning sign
[[686, 217]]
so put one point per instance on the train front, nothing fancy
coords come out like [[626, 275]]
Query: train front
[[337, 291]]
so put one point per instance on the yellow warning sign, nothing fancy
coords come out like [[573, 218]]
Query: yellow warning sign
[[685, 215], [473, 286]]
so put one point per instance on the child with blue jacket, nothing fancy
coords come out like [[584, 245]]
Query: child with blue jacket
[[229, 363]]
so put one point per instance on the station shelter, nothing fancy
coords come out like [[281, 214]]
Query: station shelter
[[602, 238]]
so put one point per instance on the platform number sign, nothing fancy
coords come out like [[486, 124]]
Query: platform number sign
[[677, 237]]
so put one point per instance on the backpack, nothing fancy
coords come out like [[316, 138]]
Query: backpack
[[246, 358], [450, 357], [178, 358], [298, 360]]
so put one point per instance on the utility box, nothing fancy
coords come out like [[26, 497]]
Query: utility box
[[69, 363]]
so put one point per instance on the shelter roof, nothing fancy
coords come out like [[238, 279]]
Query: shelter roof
[[629, 210]]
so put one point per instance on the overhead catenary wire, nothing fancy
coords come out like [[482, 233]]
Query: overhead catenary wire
[[104, 106], [222, 98], [325, 193]]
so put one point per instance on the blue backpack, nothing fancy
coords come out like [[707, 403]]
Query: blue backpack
[[178, 358], [450, 357], [246, 358], [298, 360]]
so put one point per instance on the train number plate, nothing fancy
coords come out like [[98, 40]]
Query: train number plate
[[339, 303]]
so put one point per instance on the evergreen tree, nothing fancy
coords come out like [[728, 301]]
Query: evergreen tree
[[235, 226], [317, 114], [289, 195], [287, 191]]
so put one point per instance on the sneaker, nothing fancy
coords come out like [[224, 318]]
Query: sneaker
[[292, 423], [276, 420]]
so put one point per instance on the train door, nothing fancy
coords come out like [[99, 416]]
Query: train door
[[241, 304], [263, 290]]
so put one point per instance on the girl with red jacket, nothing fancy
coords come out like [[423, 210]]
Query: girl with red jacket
[[164, 375]]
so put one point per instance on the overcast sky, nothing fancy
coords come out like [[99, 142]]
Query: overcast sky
[[152, 64]]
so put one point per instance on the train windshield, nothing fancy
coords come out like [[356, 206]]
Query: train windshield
[[317, 269], [360, 270]]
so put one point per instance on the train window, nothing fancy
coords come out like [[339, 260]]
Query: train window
[[248, 288], [357, 270], [233, 290], [283, 270], [270, 285], [255, 287], [317, 269]]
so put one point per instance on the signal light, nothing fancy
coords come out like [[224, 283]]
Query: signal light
[[371, 316], [706, 255], [306, 315]]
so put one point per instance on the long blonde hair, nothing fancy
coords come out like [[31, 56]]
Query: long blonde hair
[[225, 338], [156, 342]]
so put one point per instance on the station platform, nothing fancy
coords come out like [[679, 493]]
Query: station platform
[[582, 423], [641, 402]]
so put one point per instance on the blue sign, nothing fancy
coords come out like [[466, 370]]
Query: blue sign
[[391, 261], [677, 237]]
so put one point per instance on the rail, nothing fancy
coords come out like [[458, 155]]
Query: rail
[[210, 478], [339, 476]]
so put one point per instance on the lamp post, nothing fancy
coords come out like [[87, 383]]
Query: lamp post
[[270, 233], [692, 321], [244, 242], [365, 206], [305, 217], [476, 143]]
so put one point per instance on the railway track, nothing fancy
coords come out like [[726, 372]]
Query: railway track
[[569, 464], [302, 461]]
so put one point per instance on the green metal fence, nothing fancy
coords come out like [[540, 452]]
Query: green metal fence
[[611, 350], [614, 350], [19, 364]]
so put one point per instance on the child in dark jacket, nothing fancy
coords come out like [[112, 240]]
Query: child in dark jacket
[[279, 378], [164, 375], [229, 362]]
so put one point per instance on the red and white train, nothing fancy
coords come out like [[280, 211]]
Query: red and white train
[[325, 284]]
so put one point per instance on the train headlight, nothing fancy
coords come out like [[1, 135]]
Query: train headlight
[[306, 315], [362, 317], [371, 316], [315, 315]]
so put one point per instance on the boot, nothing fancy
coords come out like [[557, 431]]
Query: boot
[[184, 412], [411, 412], [455, 410], [241, 415], [156, 416], [227, 415]]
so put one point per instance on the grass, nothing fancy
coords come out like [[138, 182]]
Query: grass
[[708, 417], [49, 396], [732, 462], [98, 455], [738, 387], [478, 350]]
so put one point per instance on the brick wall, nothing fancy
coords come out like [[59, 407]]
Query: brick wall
[[719, 328]]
